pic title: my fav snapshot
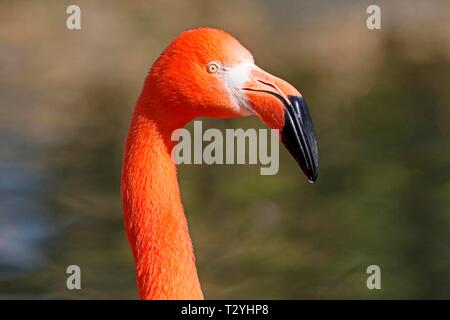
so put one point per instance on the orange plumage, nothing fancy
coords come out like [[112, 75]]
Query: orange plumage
[[178, 89]]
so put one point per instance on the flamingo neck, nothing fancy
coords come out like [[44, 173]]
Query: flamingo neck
[[154, 218]]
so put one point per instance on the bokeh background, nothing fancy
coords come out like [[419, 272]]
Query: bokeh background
[[380, 101]]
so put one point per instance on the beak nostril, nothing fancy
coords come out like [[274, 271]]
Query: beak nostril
[[267, 84], [274, 87]]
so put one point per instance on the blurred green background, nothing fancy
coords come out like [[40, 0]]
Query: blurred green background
[[380, 101]]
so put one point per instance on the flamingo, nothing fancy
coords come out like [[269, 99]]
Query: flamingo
[[204, 72]]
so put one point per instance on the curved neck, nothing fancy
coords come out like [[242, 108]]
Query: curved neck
[[154, 218]]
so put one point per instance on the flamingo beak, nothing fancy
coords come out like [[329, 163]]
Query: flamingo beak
[[280, 106]]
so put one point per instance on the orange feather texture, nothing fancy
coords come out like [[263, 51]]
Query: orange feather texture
[[177, 89]]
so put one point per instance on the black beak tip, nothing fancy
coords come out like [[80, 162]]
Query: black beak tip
[[312, 178], [299, 137], [311, 170]]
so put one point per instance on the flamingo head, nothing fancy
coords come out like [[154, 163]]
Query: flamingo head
[[206, 72]]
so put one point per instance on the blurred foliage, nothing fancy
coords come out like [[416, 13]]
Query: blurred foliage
[[379, 100]]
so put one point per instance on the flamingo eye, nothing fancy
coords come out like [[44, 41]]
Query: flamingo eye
[[213, 67]]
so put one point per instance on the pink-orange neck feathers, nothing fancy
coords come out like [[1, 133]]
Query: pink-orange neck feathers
[[155, 222], [177, 90]]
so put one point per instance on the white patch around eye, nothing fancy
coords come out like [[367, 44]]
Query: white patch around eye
[[235, 77]]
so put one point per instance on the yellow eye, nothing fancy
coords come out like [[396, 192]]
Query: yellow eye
[[213, 67]]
